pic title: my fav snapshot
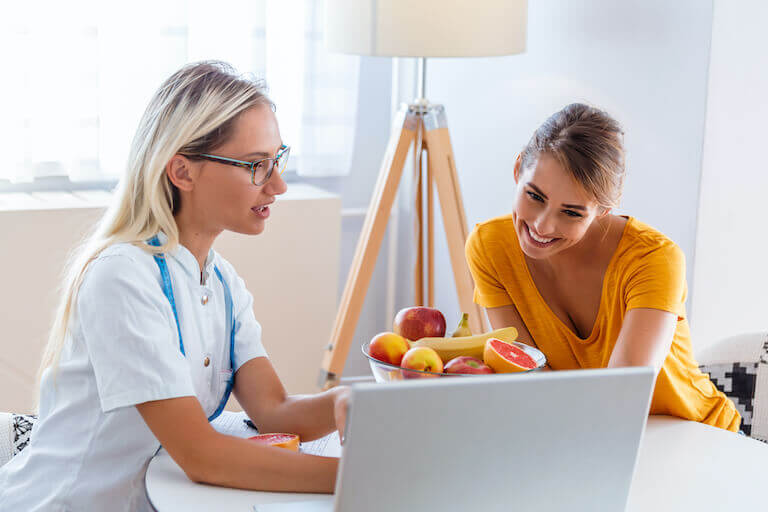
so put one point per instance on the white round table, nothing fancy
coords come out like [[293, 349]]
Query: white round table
[[682, 466]]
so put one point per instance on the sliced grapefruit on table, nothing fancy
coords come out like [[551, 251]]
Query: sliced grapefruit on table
[[290, 441], [504, 357]]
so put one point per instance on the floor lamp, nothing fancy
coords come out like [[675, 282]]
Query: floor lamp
[[421, 29]]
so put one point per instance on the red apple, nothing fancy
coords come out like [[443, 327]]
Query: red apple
[[467, 364], [419, 322], [388, 347], [423, 359]]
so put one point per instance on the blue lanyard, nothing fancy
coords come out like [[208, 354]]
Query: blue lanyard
[[168, 291]]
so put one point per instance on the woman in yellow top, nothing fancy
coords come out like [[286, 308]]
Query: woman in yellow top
[[588, 288]]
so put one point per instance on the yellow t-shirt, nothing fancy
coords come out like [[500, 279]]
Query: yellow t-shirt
[[646, 271]]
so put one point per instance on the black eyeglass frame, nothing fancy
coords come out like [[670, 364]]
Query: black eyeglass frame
[[279, 161]]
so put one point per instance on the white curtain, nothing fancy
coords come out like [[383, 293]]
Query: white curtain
[[78, 75]]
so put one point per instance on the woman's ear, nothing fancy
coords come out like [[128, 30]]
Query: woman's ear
[[180, 173], [517, 168]]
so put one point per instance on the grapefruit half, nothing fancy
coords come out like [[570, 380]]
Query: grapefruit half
[[504, 357], [290, 441]]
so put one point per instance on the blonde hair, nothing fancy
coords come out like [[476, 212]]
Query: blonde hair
[[193, 112], [589, 144]]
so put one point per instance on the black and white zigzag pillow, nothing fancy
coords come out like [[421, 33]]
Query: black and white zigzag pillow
[[745, 384], [737, 381], [22, 429]]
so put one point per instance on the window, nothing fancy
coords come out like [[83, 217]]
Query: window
[[78, 75]]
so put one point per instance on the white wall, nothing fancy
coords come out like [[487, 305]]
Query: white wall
[[730, 274], [645, 62], [291, 270]]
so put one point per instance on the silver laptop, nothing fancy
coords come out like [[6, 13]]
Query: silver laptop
[[544, 441]]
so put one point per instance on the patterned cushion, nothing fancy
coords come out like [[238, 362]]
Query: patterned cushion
[[745, 382], [737, 381], [22, 429], [15, 430]]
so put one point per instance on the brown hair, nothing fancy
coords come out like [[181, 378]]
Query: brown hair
[[588, 143]]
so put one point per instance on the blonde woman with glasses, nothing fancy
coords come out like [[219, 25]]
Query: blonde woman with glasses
[[155, 329]]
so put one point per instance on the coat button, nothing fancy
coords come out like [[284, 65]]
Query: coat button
[[204, 300], [206, 361]]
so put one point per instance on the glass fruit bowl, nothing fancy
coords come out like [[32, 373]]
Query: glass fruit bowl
[[385, 372]]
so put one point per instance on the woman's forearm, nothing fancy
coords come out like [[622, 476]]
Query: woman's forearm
[[309, 416], [508, 316], [233, 462]]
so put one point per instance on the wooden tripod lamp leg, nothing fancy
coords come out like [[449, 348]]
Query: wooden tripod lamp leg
[[404, 130], [443, 170], [418, 217], [429, 179]]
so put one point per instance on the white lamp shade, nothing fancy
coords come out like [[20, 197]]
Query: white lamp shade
[[426, 28]]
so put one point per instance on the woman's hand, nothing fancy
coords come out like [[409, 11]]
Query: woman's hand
[[340, 408]]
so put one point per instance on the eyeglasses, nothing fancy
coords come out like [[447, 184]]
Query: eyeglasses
[[261, 170]]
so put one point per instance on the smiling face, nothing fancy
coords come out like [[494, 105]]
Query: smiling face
[[553, 211], [223, 197]]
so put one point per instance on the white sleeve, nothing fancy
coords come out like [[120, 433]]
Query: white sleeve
[[130, 334], [248, 343]]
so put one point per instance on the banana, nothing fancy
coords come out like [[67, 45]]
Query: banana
[[463, 328], [448, 348]]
